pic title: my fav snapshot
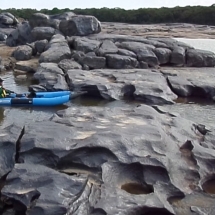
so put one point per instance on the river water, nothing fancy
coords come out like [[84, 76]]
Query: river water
[[198, 111]]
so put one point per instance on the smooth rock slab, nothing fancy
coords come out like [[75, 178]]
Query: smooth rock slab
[[52, 191], [143, 85]]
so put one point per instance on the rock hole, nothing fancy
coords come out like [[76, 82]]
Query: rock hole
[[209, 185], [152, 211], [137, 189]]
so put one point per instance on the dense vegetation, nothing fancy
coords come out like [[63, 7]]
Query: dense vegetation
[[194, 14]]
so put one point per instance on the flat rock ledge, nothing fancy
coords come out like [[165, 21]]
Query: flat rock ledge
[[140, 160]]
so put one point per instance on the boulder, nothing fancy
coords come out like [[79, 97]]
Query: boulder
[[20, 36], [200, 58], [116, 61], [143, 51], [178, 56], [22, 53], [51, 77], [107, 47], [94, 62], [7, 19], [85, 45], [41, 45], [80, 26], [43, 20], [42, 33], [67, 64], [56, 50], [126, 53], [3, 37], [163, 55], [9, 137]]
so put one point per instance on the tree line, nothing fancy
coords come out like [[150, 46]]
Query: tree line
[[189, 14]]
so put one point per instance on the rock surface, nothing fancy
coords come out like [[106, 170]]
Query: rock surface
[[136, 159]]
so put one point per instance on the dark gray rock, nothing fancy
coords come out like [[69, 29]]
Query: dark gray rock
[[20, 36], [115, 141], [85, 45], [27, 66], [163, 55], [52, 191], [92, 54], [67, 64], [94, 62], [51, 77], [185, 83], [116, 61], [8, 154], [56, 50], [40, 45], [43, 20], [143, 51], [143, 65], [126, 38], [3, 36], [107, 47], [42, 33], [178, 56], [143, 85], [126, 53], [7, 19], [171, 43], [200, 58], [80, 26], [23, 53]]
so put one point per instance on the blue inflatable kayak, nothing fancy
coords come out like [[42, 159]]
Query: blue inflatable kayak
[[51, 101], [41, 94]]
